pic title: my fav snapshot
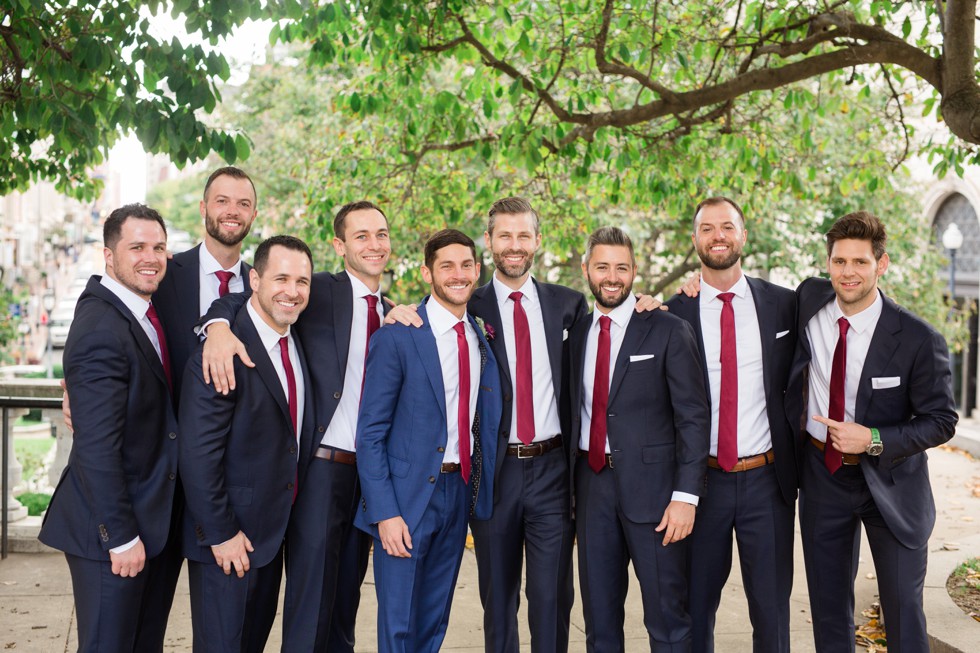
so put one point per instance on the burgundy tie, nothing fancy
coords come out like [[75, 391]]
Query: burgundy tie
[[833, 458], [728, 397], [223, 278], [373, 321], [287, 366], [463, 414], [524, 391], [600, 399], [151, 313]]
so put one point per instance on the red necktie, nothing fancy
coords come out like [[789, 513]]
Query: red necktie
[[223, 278], [600, 399], [463, 414], [524, 391], [832, 458], [373, 321], [287, 366], [151, 313], [728, 396]]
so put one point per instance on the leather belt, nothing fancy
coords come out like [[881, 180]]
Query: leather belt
[[848, 458], [534, 449], [585, 454], [747, 463], [449, 468], [335, 455]]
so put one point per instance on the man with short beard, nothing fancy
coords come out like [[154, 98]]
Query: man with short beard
[[751, 483], [640, 418]]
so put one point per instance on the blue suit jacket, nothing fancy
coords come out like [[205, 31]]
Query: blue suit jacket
[[238, 453], [121, 474], [912, 416], [401, 428]]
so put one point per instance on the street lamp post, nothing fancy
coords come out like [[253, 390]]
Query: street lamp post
[[952, 241], [48, 302]]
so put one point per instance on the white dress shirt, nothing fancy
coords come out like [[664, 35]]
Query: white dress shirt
[[270, 341], [546, 423], [823, 332], [442, 323], [753, 421], [343, 425], [209, 282]]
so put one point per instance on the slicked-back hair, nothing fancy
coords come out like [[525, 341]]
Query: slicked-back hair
[[229, 171], [261, 258], [860, 225], [112, 229], [512, 206], [340, 220], [715, 201], [613, 236], [445, 238]]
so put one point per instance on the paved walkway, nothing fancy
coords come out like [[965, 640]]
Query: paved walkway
[[36, 608]]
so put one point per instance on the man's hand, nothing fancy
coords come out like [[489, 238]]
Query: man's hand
[[218, 359], [407, 314], [395, 538], [233, 553], [648, 303], [678, 521], [66, 407], [692, 286], [847, 437], [130, 562]]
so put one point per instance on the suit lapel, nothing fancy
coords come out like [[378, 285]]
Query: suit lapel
[[765, 304], [485, 305], [551, 314], [425, 343], [636, 332], [306, 428], [187, 278], [263, 362], [689, 309], [576, 345], [342, 305], [884, 343]]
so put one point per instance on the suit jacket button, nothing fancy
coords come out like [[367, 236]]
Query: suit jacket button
[[506, 397], [441, 449], [292, 450], [336, 395], [432, 479], [289, 486], [321, 429], [172, 476], [172, 435]]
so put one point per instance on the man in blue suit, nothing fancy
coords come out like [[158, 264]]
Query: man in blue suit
[[429, 394], [239, 456], [872, 384], [111, 512]]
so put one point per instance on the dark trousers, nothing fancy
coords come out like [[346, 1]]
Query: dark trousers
[[530, 514], [326, 560], [832, 509], [415, 594], [750, 505], [607, 543], [155, 611], [231, 614]]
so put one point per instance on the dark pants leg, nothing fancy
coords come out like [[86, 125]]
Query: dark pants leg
[[107, 606], [155, 611]]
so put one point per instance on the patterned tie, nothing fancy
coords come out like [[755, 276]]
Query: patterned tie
[[600, 399], [728, 396], [463, 413], [524, 391], [151, 313], [223, 278], [287, 366], [833, 458]]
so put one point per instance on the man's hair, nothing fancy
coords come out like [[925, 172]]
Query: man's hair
[[512, 206], [860, 225], [229, 171], [445, 238], [340, 220], [261, 258], [715, 201], [608, 236], [112, 230]]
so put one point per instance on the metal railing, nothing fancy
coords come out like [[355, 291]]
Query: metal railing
[[6, 403]]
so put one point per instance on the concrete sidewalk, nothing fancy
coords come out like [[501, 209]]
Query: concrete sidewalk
[[36, 607]]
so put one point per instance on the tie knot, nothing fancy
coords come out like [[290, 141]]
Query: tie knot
[[460, 328], [224, 276], [372, 301], [517, 296], [284, 344], [726, 297], [844, 325], [604, 322], [151, 313]]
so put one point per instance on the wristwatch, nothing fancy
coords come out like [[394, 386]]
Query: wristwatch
[[876, 447]]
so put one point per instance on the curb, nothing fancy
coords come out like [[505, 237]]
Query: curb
[[950, 629]]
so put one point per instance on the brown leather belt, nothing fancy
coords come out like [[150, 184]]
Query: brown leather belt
[[449, 468], [747, 463], [848, 458], [533, 449], [335, 455], [585, 454]]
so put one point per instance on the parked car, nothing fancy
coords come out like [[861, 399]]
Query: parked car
[[59, 324]]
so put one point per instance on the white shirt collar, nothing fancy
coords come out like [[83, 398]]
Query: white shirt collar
[[136, 304], [620, 315], [503, 291], [210, 265], [868, 318], [709, 292], [269, 336], [440, 319], [360, 289]]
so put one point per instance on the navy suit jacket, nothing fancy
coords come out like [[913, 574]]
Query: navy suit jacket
[[775, 308], [238, 451], [121, 474], [178, 303], [561, 308], [658, 417], [401, 428], [911, 417]]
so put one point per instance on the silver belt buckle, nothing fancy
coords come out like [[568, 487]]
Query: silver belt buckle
[[520, 452]]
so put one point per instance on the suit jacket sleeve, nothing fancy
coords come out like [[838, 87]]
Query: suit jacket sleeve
[[224, 308], [692, 412], [98, 378]]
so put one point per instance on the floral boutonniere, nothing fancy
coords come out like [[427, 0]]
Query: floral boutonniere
[[488, 329]]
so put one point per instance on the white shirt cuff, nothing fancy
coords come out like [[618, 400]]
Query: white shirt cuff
[[125, 547], [685, 497], [202, 331]]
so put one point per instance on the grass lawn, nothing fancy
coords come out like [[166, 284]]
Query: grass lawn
[[30, 452]]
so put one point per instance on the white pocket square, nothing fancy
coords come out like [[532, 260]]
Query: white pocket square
[[881, 382], [641, 357], [781, 334], [564, 335]]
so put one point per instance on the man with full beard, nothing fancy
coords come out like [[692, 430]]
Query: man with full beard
[[752, 480], [640, 418]]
